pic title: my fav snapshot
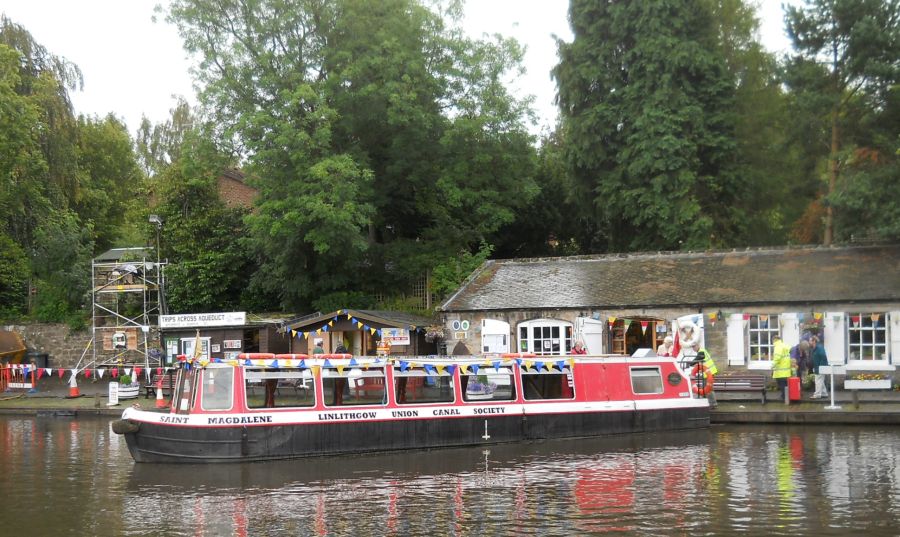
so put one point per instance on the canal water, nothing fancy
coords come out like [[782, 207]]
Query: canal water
[[75, 477]]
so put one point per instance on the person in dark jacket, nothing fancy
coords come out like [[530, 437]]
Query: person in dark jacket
[[819, 359]]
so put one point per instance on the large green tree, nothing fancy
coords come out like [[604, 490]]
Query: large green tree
[[646, 104], [380, 137], [843, 73]]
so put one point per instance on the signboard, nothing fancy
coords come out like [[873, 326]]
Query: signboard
[[192, 320], [232, 343], [395, 336], [113, 393]]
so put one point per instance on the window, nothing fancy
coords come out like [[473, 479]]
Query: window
[[867, 336], [216, 386], [547, 381], [545, 337], [279, 388], [415, 385], [762, 330], [489, 384], [353, 387], [646, 380]]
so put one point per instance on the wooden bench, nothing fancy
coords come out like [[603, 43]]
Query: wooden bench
[[168, 384], [741, 382]]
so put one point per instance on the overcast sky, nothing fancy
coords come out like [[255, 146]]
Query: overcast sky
[[133, 66]]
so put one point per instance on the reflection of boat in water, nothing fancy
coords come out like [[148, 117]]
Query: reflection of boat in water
[[267, 407], [501, 458]]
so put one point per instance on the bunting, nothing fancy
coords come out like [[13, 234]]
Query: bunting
[[644, 325], [611, 321]]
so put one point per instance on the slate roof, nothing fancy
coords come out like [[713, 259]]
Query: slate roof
[[739, 277]]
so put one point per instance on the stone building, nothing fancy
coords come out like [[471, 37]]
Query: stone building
[[739, 300]]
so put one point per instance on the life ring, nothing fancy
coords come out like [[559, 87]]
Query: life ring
[[705, 379]]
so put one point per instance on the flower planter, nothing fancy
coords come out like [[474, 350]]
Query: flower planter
[[872, 384]]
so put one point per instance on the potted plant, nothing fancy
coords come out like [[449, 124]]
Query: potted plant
[[128, 389]]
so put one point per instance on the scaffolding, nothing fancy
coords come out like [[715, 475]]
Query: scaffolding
[[128, 296]]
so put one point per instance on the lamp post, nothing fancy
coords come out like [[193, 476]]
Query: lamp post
[[158, 220]]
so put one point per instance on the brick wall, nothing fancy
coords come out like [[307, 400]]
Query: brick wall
[[234, 192], [63, 346]]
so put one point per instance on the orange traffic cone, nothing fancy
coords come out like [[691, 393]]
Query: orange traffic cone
[[73, 387], [160, 402]]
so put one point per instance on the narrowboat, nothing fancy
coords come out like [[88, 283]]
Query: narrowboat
[[268, 407]]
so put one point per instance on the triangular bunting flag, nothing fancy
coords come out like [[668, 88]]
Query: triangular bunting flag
[[644, 325], [403, 366], [87, 373], [100, 373], [49, 372], [61, 372], [114, 372], [340, 369], [327, 363], [496, 366], [561, 364], [538, 366], [353, 362], [275, 364], [473, 368]]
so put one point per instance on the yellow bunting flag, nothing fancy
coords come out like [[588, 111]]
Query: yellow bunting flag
[[528, 364], [316, 369], [359, 324], [440, 369], [372, 330], [349, 316], [293, 333], [318, 331], [331, 323], [875, 317], [571, 362], [340, 369], [612, 320]]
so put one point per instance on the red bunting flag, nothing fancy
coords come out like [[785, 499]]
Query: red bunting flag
[[60, 371], [87, 373], [644, 325], [115, 372]]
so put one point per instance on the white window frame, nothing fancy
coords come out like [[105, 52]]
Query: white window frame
[[769, 333], [563, 341], [187, 347], [866, 350]]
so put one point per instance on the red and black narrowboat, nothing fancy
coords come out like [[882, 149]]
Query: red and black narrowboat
[[266, 407]]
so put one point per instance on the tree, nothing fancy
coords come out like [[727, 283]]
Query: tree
[[111, 179], [379, 137], [209, 265], [646, 109], [845, 63], [158, 146]]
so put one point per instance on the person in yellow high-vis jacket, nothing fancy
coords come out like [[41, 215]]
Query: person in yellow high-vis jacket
[[781, 365], [703, 357]]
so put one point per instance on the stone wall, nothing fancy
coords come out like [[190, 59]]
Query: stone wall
[[57, 340]]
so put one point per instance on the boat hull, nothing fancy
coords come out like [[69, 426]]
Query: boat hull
[[163, 442]]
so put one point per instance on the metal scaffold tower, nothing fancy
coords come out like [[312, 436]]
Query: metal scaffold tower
[[128, 296]]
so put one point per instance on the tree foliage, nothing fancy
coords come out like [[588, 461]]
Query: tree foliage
[[647, 104], [844, 72], [379, 136]]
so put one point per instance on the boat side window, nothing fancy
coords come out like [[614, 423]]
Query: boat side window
[[416, 386], [216, 388], [279, 388], [547, 382], [646, 380], [353, 386], [489, 384]]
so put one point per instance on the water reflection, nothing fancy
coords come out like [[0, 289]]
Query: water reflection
[[758, 480]]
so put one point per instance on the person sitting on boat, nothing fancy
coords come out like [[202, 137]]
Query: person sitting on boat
[[579, 348], [318, 348], [668, 345]]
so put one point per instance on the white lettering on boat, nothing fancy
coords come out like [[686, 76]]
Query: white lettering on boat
[[238, 420], [328, 416]]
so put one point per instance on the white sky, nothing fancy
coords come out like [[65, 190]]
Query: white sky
[[133, 66]]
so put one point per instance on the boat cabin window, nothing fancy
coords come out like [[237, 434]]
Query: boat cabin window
[[279, 388], [353, 386], [416, 386], [489, 384], [547, 381], [646, 380], [216, 388]]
